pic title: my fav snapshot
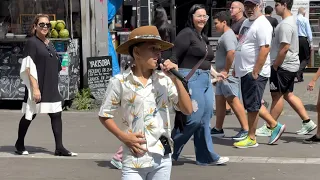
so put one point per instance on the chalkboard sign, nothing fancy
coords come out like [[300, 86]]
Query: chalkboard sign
[[99, 73], [10, 63], [26, 21]]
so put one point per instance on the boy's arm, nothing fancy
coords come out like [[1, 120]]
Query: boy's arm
[[184, 101], [230, 44], [108, 109], [132, 140], [177, 92]]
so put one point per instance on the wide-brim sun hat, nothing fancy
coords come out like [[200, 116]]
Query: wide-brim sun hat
[[143, 34]]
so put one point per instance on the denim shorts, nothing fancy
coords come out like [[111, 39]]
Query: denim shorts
[[252, 91], [228, 87]]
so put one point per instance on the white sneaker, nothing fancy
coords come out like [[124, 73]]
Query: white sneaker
[[263, 131], [117, 164], [307, 128], [222, 160]]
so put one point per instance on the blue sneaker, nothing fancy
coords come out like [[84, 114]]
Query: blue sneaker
[[240, 136], [276, 133]]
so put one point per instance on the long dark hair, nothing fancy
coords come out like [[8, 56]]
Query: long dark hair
[[190, 24], [160, 20]]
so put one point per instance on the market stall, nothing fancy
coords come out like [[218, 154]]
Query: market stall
[[16, 18]]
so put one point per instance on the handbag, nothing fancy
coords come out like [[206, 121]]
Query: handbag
[[181, 119]]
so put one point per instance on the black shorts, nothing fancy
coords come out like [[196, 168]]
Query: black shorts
[[252, 91], [282, 80]]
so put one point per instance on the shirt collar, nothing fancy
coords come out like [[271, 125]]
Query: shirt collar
[[155, 73]]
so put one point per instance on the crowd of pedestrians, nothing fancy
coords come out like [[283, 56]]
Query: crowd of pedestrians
[[253, 49]]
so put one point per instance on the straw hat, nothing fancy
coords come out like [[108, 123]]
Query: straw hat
[[143, 34]]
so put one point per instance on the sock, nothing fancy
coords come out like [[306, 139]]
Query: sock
[[305, 121], [56, 124], [244, 130], [273, 127]]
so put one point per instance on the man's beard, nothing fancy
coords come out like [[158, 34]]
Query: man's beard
[[254, 16]]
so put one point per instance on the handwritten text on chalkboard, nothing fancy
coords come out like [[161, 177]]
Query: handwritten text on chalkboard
[[99, 73]]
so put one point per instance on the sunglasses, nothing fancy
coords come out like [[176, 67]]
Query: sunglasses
[[42, 25]]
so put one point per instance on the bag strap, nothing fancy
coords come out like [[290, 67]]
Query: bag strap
[[193, 70]]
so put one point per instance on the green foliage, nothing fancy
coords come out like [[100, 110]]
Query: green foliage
[[83, 100]]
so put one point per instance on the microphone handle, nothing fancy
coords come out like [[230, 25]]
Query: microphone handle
[[178, 75]]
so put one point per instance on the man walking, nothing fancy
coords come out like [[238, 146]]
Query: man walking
[[285, 59], [305, 42], [252, 64], [273, 21], [236, 11], [228, 89]]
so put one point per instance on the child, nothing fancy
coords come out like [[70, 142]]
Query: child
[[146, 99]]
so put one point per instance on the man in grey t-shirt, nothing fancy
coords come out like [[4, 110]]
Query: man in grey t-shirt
[[228, 89], [285, 59]]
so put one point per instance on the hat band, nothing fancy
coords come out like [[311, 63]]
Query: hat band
[[148, 37]]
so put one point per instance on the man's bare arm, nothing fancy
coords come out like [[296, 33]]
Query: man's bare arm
[[283, 49], [263, 54]]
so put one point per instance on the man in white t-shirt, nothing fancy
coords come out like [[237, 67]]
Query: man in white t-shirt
[[252, 65], [285, 60]]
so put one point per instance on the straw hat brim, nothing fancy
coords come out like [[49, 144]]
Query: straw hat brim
[[124, 48]]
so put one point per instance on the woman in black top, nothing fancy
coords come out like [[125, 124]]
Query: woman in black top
[[40, 72], [189, 48]]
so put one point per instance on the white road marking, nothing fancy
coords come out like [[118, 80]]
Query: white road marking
[[108, 157]]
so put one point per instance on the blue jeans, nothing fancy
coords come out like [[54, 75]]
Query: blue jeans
[[161, 170], [198, 123]]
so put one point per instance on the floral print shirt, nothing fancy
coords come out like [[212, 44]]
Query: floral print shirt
[[147, 109]]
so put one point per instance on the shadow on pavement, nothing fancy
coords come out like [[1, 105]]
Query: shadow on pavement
[[237, 129], [290, 139], [311, 107], [223, 141], [183, 160], [30, 149], [105, 164]]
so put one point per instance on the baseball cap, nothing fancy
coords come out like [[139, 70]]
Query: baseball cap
[[254, 1]]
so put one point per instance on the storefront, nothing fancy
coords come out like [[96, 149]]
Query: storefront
[[133, 14], [16, 18], [314, 17]]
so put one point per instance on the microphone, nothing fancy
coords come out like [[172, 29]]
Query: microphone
[[175, 72]]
